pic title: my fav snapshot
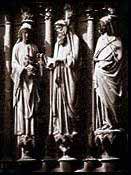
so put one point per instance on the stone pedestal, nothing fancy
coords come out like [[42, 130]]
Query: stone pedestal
[[27, 166], [90, 164], [47, 165], [8, 167], [107, 143], [111, 148], [109, 165], [67, 164], [4, 164], [26, 147]]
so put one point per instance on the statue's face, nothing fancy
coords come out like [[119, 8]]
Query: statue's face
[[61, 34], [26, 36], [69, 14], [60, 29], [102, 27]]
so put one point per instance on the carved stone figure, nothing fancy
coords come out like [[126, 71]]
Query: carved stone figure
[[25, 92], [107, 75], [64, 82]]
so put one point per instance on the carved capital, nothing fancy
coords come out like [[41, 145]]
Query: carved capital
[[108, 10], [89, 13], [68, 11], [48, 13], [27, 16], [7, 20]]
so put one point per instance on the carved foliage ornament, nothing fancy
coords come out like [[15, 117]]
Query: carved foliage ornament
[[48, 12], [27, 16]]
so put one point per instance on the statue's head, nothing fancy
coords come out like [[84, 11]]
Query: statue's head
[[25, 33], [61, 29], [102, 27], [108, 24]]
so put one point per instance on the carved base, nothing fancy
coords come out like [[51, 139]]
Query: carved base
[[111, 164], [101, 165], [90, 164], [6, 164], [67, 163], [66, 158], [26, 145], [48, 165], [28, 165], [26, 158], [110, 146], [109, 143]]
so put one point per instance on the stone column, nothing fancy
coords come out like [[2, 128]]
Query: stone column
[[48, 47], [48, 52], [90, 44], [90, 29], [8, 88], [68, 14], [48, 32], [90, 161]]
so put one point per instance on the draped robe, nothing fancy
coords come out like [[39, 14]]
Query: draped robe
[[107, 81], [25, 92], [63, 96]]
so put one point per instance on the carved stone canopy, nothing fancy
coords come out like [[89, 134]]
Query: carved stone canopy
[[27, 16], [68, 9]]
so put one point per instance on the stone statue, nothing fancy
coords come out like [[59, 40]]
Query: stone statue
[[107, 75], [64, 65], [25, 92]]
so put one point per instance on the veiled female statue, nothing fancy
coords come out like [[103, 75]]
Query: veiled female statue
[[25, 92]]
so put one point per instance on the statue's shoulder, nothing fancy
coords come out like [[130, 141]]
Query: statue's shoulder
[[100, 38], [75, 36], [17, 46], [116, 41]]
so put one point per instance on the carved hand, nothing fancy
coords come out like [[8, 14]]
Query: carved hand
[[30, 70]]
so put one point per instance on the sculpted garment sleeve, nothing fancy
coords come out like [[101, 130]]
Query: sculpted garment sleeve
[[17, 70]]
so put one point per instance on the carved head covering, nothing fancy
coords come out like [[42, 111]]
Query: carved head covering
[[110, 22], [25, 26], [61, 29], [60, 22], [27, 22], [106, 19]]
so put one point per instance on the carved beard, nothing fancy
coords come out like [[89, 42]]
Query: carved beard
[[62, 40]]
